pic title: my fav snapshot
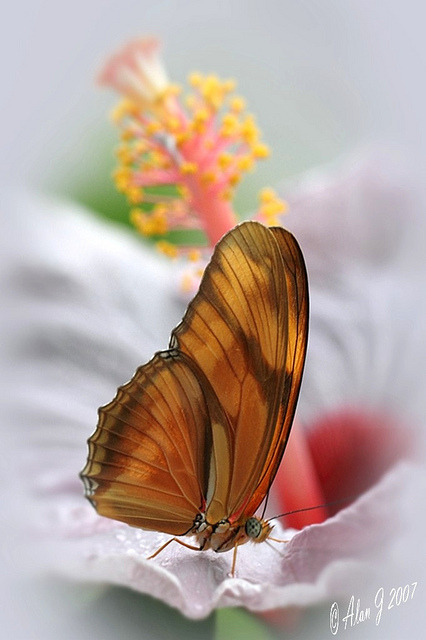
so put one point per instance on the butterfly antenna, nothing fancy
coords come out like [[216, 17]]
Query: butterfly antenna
[[265, 505], [319, 506]]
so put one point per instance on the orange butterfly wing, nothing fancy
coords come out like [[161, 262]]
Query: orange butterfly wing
[[247, 329], [297, 340], [206, 423], [147, 458]]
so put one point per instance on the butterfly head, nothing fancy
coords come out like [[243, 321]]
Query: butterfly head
[[224, 536], [256, 529]]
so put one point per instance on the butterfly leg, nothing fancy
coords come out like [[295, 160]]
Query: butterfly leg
[[234, 561], [166, 544], [277, 540]]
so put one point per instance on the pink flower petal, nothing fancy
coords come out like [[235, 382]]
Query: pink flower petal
[[341, 455], [99, 304], [307, 491], [319, 564], [358, 212]]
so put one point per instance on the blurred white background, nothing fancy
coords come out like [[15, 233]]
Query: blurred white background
[[324, 78]]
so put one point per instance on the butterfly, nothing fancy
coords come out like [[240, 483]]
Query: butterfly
[[191, 445]]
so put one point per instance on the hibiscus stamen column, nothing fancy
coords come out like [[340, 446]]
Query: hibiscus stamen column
[[180, 160]]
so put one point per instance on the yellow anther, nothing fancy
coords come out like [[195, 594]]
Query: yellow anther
[[237, 104], [217, 147], [160, 209], [199, 273], [173, 90], [159, 224], [208, 177], [210, 83], [267, 195], [135, 214], [272, 221], [201, 115], [134, 194], [182, 137], [215, 101], [162, 162], [167, 248], [122, 110], [224, 160], [261, 150], [140, 147], [230, 125], [249, 130], [271, 204], [234, 179], [195, 79], [146, 165], [159, 160], [198, 127], [273, 208], [188, 167], [126, 135], [117, 114], [212, 91], [122, 172], [120, 186], [230, 120], [121, 178], [132, 108], [172, 124], [200, 118], [124, 155], [270, 209], [228, 85], [149, 224], [245, 163], [134, 217], [194, 255], [155, 159], [152, 128], [138, 219]]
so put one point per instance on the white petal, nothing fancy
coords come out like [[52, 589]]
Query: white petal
[[86, 305], [357, 212]]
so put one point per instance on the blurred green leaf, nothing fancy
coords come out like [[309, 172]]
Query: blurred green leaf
[[237, 624], [137, 616]]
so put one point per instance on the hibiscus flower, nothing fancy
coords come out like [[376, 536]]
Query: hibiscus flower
[[87, 303]]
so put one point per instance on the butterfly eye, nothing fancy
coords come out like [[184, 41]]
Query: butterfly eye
[[253, 528]]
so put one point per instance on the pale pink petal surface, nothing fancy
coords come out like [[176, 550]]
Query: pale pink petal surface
[[319, 563], [86, 305]]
